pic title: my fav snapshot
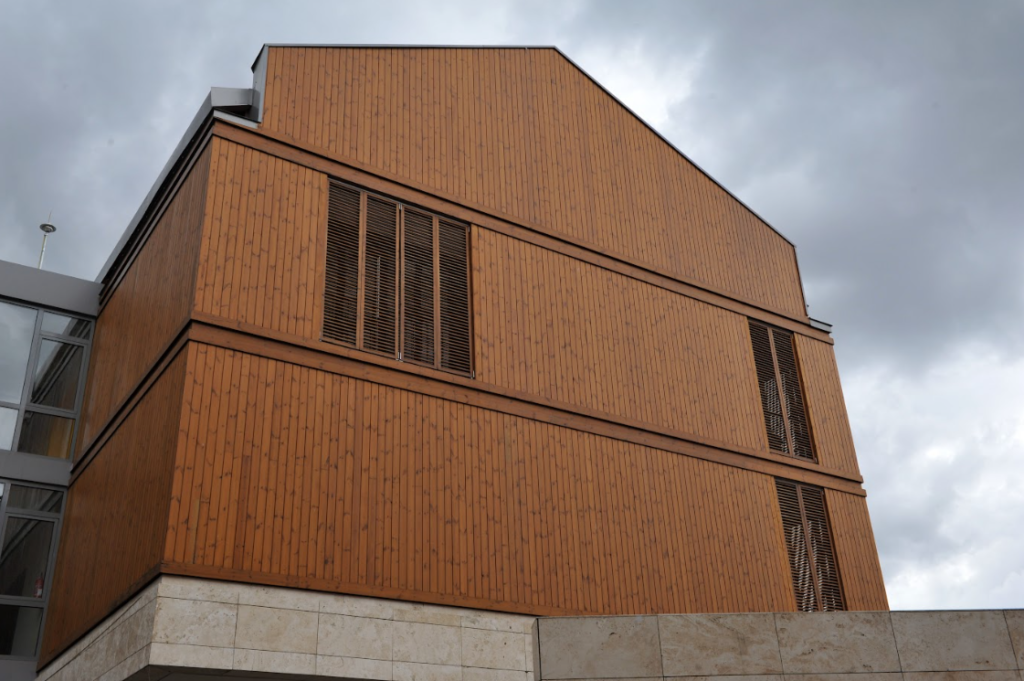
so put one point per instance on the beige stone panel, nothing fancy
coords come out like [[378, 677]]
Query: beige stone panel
[[353, 668], [414, 671], [499, 622], [1004, 675], [199, 657], [429, 614], [836, 642], [869, 676], [268, 662], [279, 597], [745, 677], [357, 606], [480, 674], [346, 636], [953, 641], [190, 588], [201, 623], [599, 647], [273, 629], [493, 649], [130, 666], [713, 645], [1015, 624], [426, 643]]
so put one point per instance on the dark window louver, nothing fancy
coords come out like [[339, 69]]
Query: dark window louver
[[812, 560], [397, 280], [778, 380]]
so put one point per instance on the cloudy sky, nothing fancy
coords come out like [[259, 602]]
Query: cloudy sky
[[886, 139]]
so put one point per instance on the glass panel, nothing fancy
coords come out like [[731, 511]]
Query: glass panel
[[24, 557], [66, 326], [35, 499], [46, 435], [16, 326], [19, 630], [8, 419], [57, 373]]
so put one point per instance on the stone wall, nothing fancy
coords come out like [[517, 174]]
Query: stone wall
[[848, 646], [179, 627]]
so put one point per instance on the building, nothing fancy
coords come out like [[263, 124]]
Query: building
[[446, 332]]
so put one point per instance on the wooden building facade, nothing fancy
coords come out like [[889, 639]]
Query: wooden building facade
[[581, 424]]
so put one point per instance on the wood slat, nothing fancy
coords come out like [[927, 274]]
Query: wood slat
[[500, 547], [863, 586], [565, 135]]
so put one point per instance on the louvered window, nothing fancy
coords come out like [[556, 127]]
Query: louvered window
[[812, 561], [397, 280], [782, 400]]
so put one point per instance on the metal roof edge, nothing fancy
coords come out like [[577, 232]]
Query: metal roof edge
[[230, 100]]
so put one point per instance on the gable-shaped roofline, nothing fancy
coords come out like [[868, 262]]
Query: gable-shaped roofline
[[259, 87]]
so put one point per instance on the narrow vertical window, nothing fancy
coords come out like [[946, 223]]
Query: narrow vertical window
[[397, 280], [782, 403], [812, 560]]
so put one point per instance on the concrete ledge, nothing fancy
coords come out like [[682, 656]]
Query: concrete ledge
[[843, 646]]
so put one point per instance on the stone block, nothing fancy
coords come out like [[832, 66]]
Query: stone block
[[415, 671], [201, 623], [1005, 675], [428, 614], [276, 630], [746, 677], [953, 641], [868, 676], [353, 668], [279, 597], [836, 642], [347, 636], [189, 588], [599, 647], [1015, 625], [714, 645], [269, 662], [196, 657], [518, 624], [357, 606], [426, 643], [493, 649], [480, 674]]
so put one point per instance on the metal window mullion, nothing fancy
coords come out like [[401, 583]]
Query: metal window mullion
[[807, 546], [57, 338], [51, 411], [26, 389], [437, 291], [79, 398], [782, 393], [399, 278]]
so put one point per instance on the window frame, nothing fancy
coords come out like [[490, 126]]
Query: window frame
[[400, 293], [26, 405], [783, 401], [805, 525], [57, 518]]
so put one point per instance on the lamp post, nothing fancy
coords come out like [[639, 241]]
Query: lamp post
[[47, 230]]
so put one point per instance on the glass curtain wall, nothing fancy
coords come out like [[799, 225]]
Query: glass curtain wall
[[29, 528], [43, 356]]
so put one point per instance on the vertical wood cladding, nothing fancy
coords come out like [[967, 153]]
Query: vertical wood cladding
[[856, 553], [149, 305], [297, 476], [116, 516], [573, 333], [525, 134], [826, 409], [264, 241]]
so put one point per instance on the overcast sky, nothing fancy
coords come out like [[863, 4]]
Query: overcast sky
[[886, 139]]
